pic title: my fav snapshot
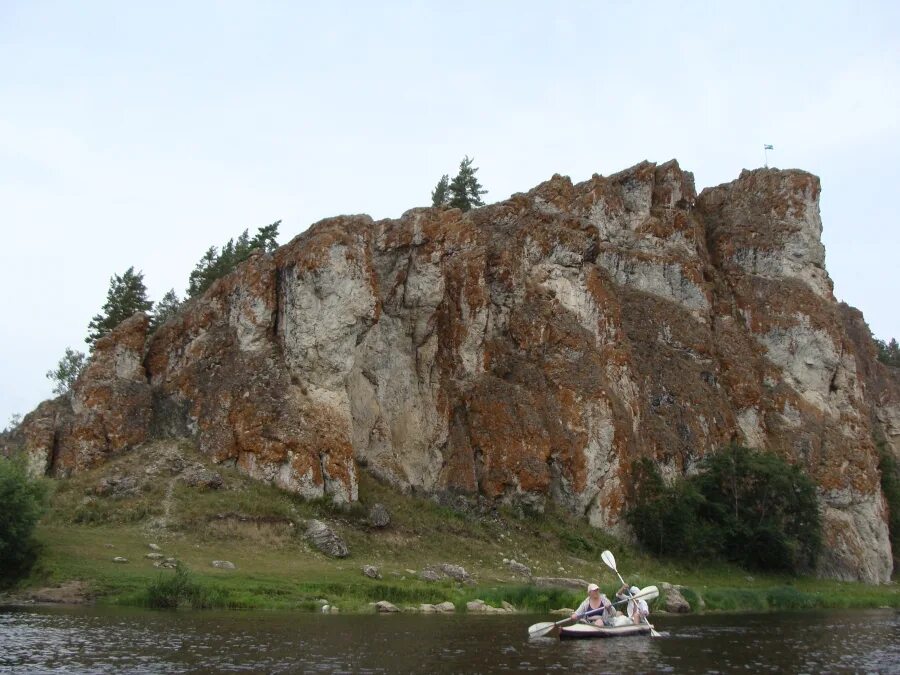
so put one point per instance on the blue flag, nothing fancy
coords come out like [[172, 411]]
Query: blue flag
[[768, 147]]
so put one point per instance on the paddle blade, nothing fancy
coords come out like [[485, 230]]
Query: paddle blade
[[609, 559], [541, 629], [649, 593]]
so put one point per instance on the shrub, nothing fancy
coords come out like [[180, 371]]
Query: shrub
[[22, 501], [748, 507], [764, 510], [666, 519], [169, 591], [890, 486]]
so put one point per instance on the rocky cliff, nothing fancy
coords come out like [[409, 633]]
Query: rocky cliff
[[526, 351]]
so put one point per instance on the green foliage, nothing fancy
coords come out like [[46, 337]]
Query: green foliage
[[888, 352], [748, 507], [67, 371], [165, 308], [666, 519], [735, 599], [764, 509], [465, 190], [890, 487], [440, 196], [215, 264], [788, 597], [14, 421], [126, 296], [170, 591], [21, 505]]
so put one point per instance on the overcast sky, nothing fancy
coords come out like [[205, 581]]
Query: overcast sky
[[141, 133]]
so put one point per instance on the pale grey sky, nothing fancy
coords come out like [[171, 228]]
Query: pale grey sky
[[141, 133]]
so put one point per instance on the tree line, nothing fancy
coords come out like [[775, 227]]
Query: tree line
[[127, 292], [127, 295]]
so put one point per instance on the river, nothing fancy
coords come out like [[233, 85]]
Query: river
[[113, 640]]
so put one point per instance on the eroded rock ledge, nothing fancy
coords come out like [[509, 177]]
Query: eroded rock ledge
[[526, 351]]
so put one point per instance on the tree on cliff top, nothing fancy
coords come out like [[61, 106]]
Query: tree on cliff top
[[463, 192], [216, 264], [888, 352], [67, 371], [440, 196], [126, 295], [165, 308]]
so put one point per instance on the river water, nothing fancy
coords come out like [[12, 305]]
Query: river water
[[112, 640]]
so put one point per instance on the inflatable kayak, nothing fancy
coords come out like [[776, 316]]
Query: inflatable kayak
[[589, 630]]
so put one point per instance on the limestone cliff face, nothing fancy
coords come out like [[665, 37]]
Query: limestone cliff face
[[527, 351]]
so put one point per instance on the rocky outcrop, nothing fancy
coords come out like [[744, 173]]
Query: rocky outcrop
[[527, 351], [326, 540]]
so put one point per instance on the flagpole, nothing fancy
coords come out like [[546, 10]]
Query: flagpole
[[766, 148]]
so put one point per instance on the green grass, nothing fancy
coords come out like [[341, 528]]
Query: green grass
[[257, 527]]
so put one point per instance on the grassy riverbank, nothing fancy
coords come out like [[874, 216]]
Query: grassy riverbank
[[258, 528]]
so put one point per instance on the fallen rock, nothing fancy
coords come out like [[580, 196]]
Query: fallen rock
[[481, 607], [455, 572], [117, 487], [200, 477], [224, 565], [154, 547], [154, 556], [371, 571], [445, 607], [120, 559], [379, 516], [326, 540], [446, 571], [675, 601], [385, 607], [430, 575], [518, 568]]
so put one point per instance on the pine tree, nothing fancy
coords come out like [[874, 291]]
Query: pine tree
[[440, 196], [266, 237], [126, 295], [165, 308], [888, 352], [465, 190], [216, 264], [67, 371]]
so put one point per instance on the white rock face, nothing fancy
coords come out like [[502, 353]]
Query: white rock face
[[862, 549], [659, 277], [808, 358]]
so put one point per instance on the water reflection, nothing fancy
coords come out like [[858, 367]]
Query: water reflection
[[97, 640]]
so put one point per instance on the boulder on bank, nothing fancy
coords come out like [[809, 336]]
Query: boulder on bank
[[224, 565], [481, 607], [385, 607], [446, 607], [675, 601], [371, 571], [326, 540]]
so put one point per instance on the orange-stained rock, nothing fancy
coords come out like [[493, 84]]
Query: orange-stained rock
[[527, 351]]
